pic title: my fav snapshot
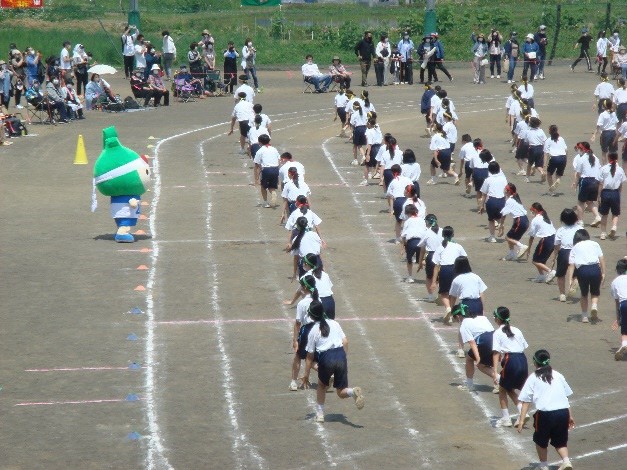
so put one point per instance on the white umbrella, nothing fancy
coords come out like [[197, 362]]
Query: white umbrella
[[101, 69]]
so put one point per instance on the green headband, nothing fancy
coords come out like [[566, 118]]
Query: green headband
[[541, 363], [497, 315], [309, 263], [324, 315], [309, 287], [462, 309]]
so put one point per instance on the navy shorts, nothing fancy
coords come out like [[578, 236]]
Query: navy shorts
[[429, 265], [535, 157], [551, 426], [557, 164], [484, 344], [622, 313], [519, 227], [291, 206], [359, 135], [270, 177], [374, 149], [411, 249], [333, 363], [544, 249], [607, 141], [493, 207], [589, 277], [387, 178], [467, 170], [522, 150], [417, 189], [621, 112], [303, 334], [610, 201], [588, 190], [515, 371], [475, 306], [341, 112], [562, 262], [253, 149], [328, 303], [478, 177], [397, 207], [452, 147], [444, 156], [244, 127], [447, 274]]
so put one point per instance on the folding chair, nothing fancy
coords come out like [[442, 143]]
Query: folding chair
[[214, 83], [184, 90], [40, 112], [307, 86], [335, 84]]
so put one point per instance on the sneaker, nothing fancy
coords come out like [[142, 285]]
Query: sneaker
[[461, 354], [266, 205], [540, 278], [613, 232], [572, 69], [594, 313], [491, 240], [447, 316], [19, 106], [468, 188], [319, 418], [242, 151], [620, 352], [527, 179], [542, 76], [495, 390], [521, 173], [355, 162], [293, 386], [457, 181], [465, 388], [555, 184], [510, 256], [566, 465], [562, 297], [509, 81], [491, 76], [522, 251], [603, 235], [410, 280], [498, 76], [364, 183], [503, 423], [358, 396], [596, 222], [550, 276], [431, 182], [584, 319]]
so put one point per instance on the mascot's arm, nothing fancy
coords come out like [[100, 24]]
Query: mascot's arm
[[133, 202]]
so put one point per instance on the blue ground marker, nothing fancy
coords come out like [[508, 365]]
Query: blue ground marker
[[132, 397], [132, 337], [133, 436], [136, 311]]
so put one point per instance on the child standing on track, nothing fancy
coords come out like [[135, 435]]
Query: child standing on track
[[548, 390], [541, 227], [340, 101], [441, 148], [414, 229], [428, 244], [587, 257], [466, 153], [493, 197], [535, 138], [328, 340], [374, 139], [479, 169], [396, 197], [555, 150], [606, 126], [444, 261], [411, 169], [388, 156], [358, 120], [467, 288], [587, 176], [619, 293], [520, 223], [267, 170], [242, 114], [508, 349], [563, 244], [293, 188], [611, 182], [302, 325], [306, 241]]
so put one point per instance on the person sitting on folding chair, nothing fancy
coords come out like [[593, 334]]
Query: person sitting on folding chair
[[311, 74], [72, 100], [140, 87], [339, 73], [189, 79], [55, 99], [158, 88]]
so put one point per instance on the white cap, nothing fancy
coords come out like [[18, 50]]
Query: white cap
[[529, 36], [155, 67], [542, 26]]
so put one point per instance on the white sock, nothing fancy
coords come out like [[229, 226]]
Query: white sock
[[349, 392], [624, 343], [320, 409], [469, 382], [566, 460], [505, 412], [519, 245], [594, 306]]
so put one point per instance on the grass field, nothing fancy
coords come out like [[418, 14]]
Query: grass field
[[326, 29]]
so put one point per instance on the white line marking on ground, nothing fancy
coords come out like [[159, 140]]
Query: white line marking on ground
[[595, 452], [595, 396], [601, 421]]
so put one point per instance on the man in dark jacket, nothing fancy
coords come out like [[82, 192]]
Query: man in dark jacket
[[439, 55], [364, 50]]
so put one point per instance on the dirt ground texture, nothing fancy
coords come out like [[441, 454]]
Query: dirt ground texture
[[199, 378]]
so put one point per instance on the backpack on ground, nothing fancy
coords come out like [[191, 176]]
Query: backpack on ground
[[131, 103]]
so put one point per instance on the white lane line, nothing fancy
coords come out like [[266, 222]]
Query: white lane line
[[510, 442], [601, 421], [594, 396], [595, 452]]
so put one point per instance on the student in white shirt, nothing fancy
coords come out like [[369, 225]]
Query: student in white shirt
[[396, 197], [556, 152], [563, 244], [603, 91], [313, 266], [441, 148], [287, 161], [450, 130], [302, 326], [602, 46], [526, 92], [304, 242], [244, 87], [414, 229], [477, 331], [542, 228], [493, 197], [388, 156], [520, 223], [413, 200], [267, 170], [619, 294], [328, 341], [302, 210], [479, 162], [256, 129], [265, 119], [586, 179], [621, 135], [293, 188], [611, 182], [466, 153], [522, 147], [508, 349], [358, 120], [620, 99], [444, 262], [374, 139], [340, 102], [243, 113], [606, 126], [467, 288], [411, 169], [428, 244], [586, 257], [548, 391], [535, 138]]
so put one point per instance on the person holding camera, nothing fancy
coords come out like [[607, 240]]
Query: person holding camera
[[128, 48], [541, 40], [511, 50], [230, 66], [169, 53], [494, 47], [249, 54], [479, 61], [32, 65], [18, 64], [382, 51], [406, 48]]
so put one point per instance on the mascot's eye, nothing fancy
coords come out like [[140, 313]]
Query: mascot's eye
[[147, 172]]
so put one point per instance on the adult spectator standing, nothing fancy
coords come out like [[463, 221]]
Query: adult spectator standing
[[230, 66], [439, 55], [65, 61], [18, 65], [614, 43], [208, 49], [245, 88], [364, 50], [602, 46], [311, 74], [152, 58], [140, 53], [382, 60], [128, 48], [620, 60], [6, 76], [494, 48], [511, 50], [530, 52], [81, 63], [32, 65], [169, 53], [584, 43], [339, 73], [541, 40], [406, 48], [206, 39], [249, 54], [195, 61], [479, 61]]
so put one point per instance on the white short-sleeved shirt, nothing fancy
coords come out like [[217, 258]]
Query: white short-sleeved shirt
[[265, 120], [619, 288], [387, 160], [535, 136], [420, 205], [609, 181], [439, 117], [622, 130], [586, 170], [439, 142], [324, 284], [267, 156], [521, 129], [545, 396], [446, 256], [526, 94], [369, 109], [451, 132], [604, 91], [467, 152], [620, 96], [250, 92], [243, 111], [340, 100], [413, 227], [310, 243], [476, 163], [565, 234], [374, 136], [411, 171], [285, 168], [555, 148], [509, 101], [302, 316], [312, 219], [291, 192], [515, 109], [501, 343], [431, 241], [585, 252], [494, 186], [254, 133], [472, 328], [514, 208], [359, 119], [397, 186], [317, 342], [140, 58], [349, 104], [607, 121], [539, 228], [435, 102], [467, 286]]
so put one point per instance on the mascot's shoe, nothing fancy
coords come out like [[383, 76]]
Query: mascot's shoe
[[124, 238]]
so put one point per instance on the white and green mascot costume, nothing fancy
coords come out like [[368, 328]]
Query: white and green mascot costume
[[123, 175]]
